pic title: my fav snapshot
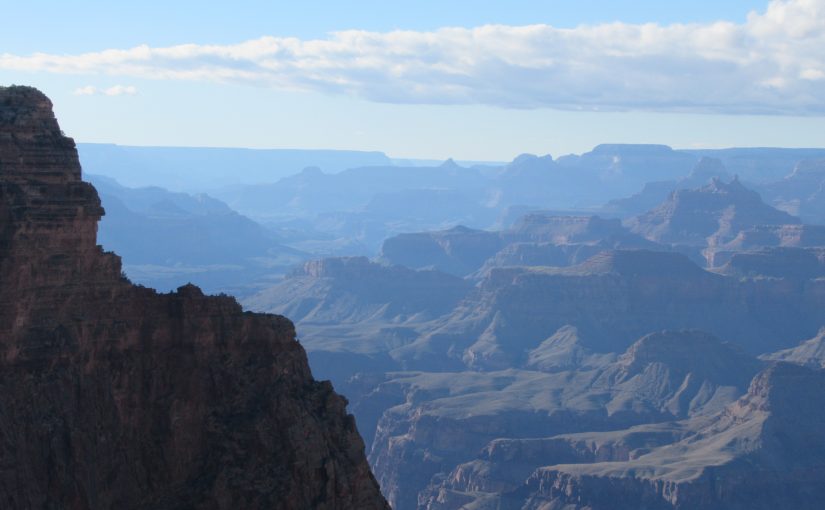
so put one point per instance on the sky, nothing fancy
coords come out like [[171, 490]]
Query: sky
[[478, 80]]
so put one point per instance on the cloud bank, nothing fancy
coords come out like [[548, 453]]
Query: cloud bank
[[117, 90], [773, 63]]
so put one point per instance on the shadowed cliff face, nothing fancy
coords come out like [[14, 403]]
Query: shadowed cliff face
[[114, 396]]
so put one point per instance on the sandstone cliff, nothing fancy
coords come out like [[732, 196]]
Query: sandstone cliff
[[114, 396]]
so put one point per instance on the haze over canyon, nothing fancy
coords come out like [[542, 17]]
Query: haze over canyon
[[634, 326]]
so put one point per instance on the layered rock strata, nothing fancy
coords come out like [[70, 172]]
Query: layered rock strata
[[114, 396], [763, 451]]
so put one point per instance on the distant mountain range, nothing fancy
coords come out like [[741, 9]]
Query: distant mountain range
[[169, 238], [632, 326], [198, 169], [578, 360], [360, 199]]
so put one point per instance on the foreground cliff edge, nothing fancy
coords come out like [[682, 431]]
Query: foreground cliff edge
[[115, 396]]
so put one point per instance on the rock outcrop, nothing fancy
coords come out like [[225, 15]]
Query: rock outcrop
[[459, 250], [346, 290], [810, 353], [760, 451], [537, 238], [114, 396], [791, 263], [711, 215], [442, 420], [765, 236], [656, 192], [802, 192], [763, 451], [539, 227], [613, 299]]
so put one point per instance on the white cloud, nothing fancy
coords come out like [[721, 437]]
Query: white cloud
[[117, 90], [772, 63], [812, 74], [88, 90], [120, 90]]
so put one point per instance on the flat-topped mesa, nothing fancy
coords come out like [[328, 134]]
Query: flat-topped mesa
[[31, 143]]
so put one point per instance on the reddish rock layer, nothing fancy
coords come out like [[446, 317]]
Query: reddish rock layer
[[113, 396]]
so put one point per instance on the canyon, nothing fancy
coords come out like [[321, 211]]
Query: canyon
[[582, 362], [499, 343]]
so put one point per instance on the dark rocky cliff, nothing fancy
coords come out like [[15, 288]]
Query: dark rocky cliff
[[114, 396]]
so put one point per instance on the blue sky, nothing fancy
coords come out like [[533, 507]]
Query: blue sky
[[276, 74], [89, 26]]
